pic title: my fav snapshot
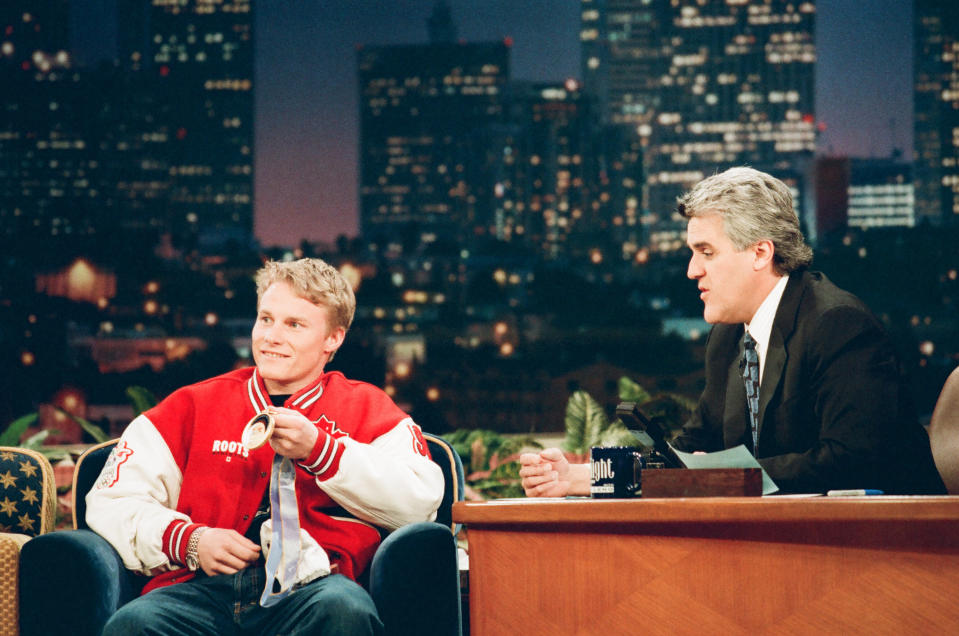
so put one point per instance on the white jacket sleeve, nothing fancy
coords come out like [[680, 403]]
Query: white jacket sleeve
[[134, 499], [386, 482]]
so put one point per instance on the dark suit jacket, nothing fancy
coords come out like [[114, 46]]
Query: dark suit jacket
[[834, 410]]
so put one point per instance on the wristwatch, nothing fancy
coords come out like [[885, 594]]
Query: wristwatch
[[192, 559]]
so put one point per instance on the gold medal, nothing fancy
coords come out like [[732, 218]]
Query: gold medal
[[257, 431]]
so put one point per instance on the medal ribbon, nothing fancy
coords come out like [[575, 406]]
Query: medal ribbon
[[285, 543]]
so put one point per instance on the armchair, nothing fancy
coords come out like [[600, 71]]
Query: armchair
[[77, 580], [28, 501], [944, 433]]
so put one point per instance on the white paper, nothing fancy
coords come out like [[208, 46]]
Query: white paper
[[736, 457]]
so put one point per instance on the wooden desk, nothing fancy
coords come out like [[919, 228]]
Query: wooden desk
[[868, 565]]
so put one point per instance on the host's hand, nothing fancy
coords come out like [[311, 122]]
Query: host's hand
[[222, 551], [549, 474], [293, 434]]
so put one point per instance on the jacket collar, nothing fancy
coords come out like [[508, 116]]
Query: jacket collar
[[783, 327], [301, 400], [735, 416]]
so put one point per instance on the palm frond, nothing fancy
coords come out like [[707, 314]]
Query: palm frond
[[631, 391], [97, 433], [140, 398], [585, 422], [11, 436]]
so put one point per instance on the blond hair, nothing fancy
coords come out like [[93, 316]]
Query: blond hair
[[315, 280]]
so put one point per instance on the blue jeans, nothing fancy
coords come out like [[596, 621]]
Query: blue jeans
[[229, 604]]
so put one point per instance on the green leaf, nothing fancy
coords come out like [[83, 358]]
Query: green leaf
[[11, 436], [585, 422], [631, 391], [35, 441], [513, 445], [617, 435], [141, 399], [495, 489], [92, 429], [476, 448], [458, 436], [506, 472], [670, 411]]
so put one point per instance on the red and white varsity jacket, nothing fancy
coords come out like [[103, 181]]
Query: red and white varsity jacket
[[180, 466]]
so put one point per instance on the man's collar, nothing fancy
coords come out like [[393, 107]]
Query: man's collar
[[761, 324]]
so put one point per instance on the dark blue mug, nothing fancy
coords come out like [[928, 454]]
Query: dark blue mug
[[614, 471]]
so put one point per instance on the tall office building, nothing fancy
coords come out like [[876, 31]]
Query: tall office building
[[543, 172], [79, 148], [706, 86], [45, 165], [122, 150], [881, 194], [133, 34], [33, 34], [936, 104], [425, 117], [202, 63], [859, 193]]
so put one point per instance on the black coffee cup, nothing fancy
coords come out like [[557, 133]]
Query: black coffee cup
[[614, 472]]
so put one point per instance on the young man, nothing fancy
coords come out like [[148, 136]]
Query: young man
[[830, 409], [183, 500]]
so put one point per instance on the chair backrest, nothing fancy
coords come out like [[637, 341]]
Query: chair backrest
[[85, 473], [90, 463], [28, 492], [449, 461], [944, 433]]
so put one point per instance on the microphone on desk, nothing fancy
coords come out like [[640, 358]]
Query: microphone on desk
[[631, 416]]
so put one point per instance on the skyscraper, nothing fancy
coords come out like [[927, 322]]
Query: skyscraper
[[881, 194], [202, 60], [45, 164], [159, 143], [31, 32], [425, 113], [542, 177], [936, 106], [706, 86]]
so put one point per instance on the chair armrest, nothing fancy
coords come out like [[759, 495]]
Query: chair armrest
[[71, 582], [414, 581]]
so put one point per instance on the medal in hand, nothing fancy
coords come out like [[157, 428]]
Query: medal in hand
[[257, 431]]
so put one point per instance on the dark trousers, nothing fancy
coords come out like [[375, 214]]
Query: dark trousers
[[229, 604]]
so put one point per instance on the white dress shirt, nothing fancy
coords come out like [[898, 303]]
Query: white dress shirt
[[761, 324]]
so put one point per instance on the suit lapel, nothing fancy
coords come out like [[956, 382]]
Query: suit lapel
[[776, 353], [772, 372]]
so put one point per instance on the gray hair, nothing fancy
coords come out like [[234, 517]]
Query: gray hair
[[315, 280], [754, 206]]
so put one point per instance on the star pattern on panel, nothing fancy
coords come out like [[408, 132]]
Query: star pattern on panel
[[26, 522], [30, 495], [8, 507], [21, 492], [7, 480]]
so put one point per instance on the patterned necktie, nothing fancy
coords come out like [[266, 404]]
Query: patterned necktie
[[750, 369]]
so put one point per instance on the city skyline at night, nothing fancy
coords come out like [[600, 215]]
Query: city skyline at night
[[306, 90], [497, 203]]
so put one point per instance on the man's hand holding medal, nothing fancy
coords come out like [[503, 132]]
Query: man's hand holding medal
[[289, 432]]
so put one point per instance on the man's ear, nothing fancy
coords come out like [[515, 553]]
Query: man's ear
[[763, 252], [334, 340]]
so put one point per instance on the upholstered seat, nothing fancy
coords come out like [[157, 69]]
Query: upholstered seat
[[413, 579], [944, 433], [28, 501]]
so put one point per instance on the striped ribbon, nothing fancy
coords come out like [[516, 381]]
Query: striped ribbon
[[285, 543]]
